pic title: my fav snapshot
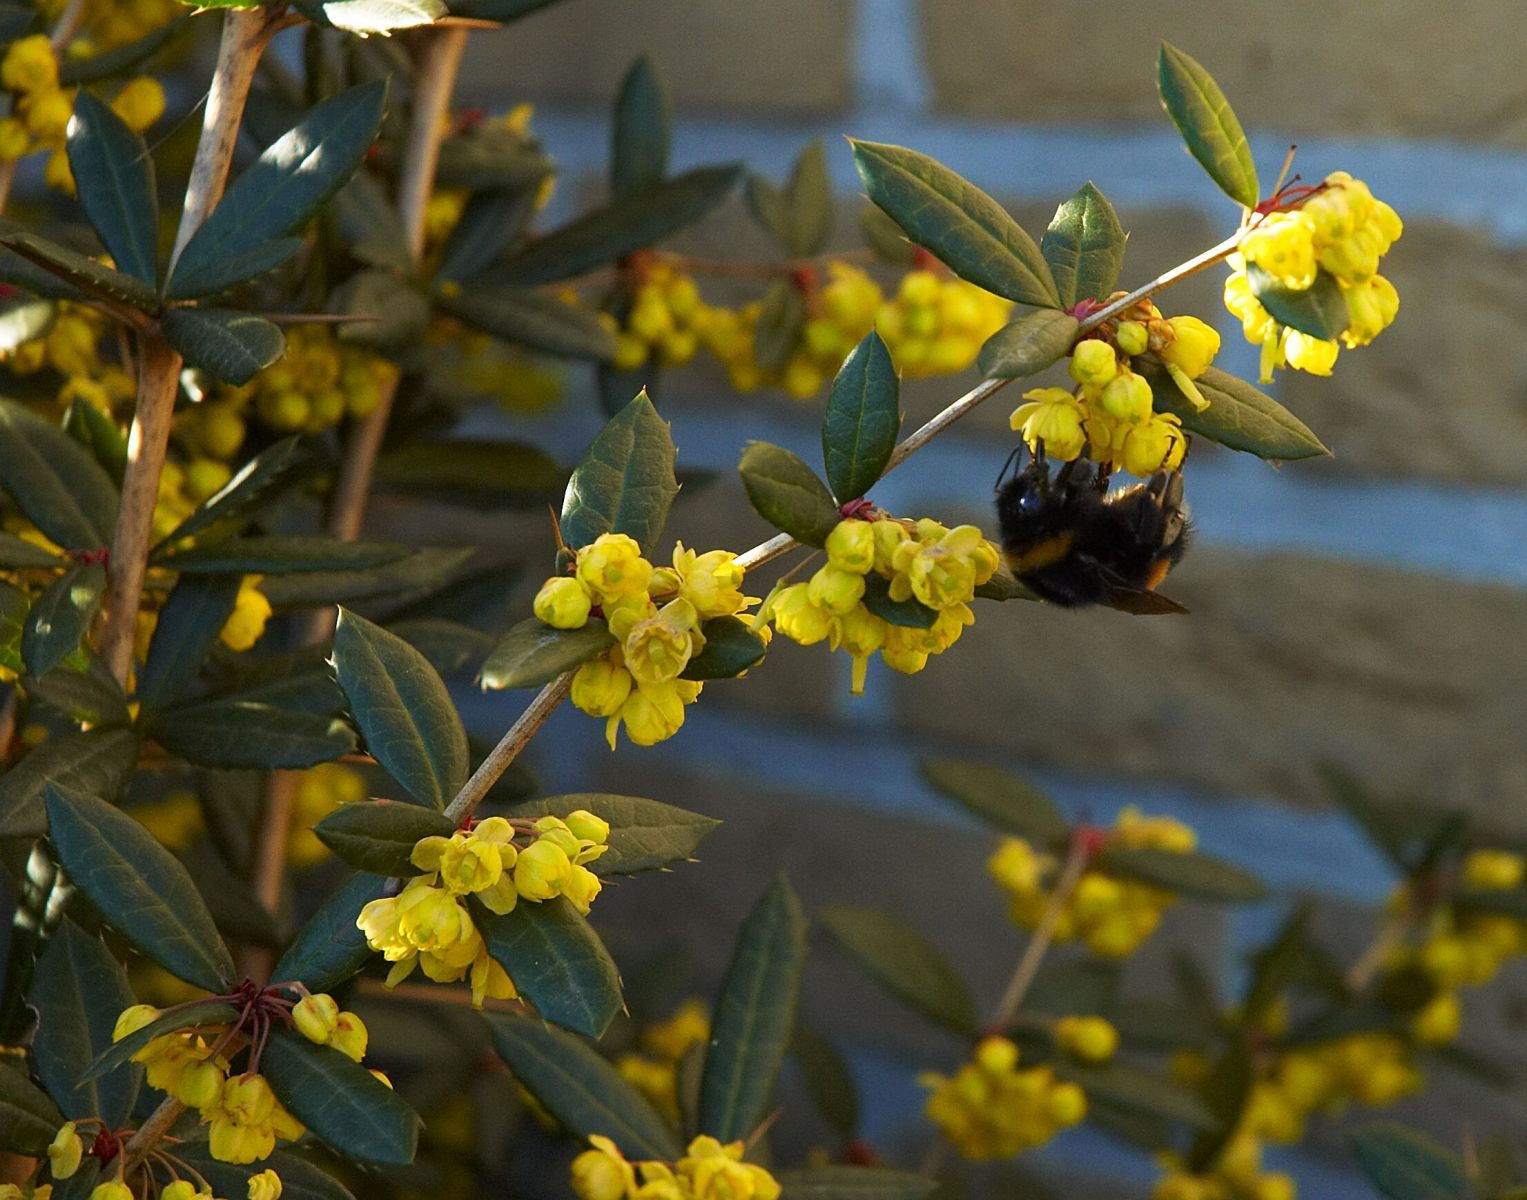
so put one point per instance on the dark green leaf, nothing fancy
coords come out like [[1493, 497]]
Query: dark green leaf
[[409, 579], [1404, 1164], [631, 223], [366, 17], [480, 474], [1319, 310], [195, 613], [1084, 246], [1273, 966], [862, 418], [731, 647], [1225, 1094], [236, 734], [98, 433], [379, 835], [252, 481], [202, 1014], [492, 158], [79, 1185], [90, 695], [95, 761], [530, 318], [1195, 875], [491, 219], [639, 155], [55, 481], [557, 962], [903, 962], [1029, 344], [885, 237], [28, 1118], [446, 645], [785, 492], [17, 552], [755, 1014], [1238, 417], [339, 1100], [1208, 124], [79, 989], [275, 555], [1000, 798], [581, 1089], [910, 613], [769, 206], [78, 269], [120, 60], [60, 618], [329, 948], [781, 320], [853, 1183], [827, 1079], [300, 1179], [625, 483], [644, 834], [29, 277], [391, 312], [285, 187], [115, 179], [138, 886], [403, 710], [1130, 1087], [956, 222], [23, 320], [232, 347], [810, 202]]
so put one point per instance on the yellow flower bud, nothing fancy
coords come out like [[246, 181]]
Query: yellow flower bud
[[133, 1019], [1133, 338], [29, 65], [1157, 445], [1438, 1021], [265, 1186], [541, 870], [1052, 418], [246, 624], [996, 1055], [563, 603], [248, 1099], [835, 590], [350, 1036], [200, 1084], [603, 1172], [180, 1189], [796, 617], [1091, 1039], [600, 687], [1067, 1104], [14, 139], [1127, 398], [112, 1189], [1310, 354], [586, 826], [1493, 870], [65, 1151], [47, 114], [1093, 362], [1193, 346], [316, 1018], [581, 887], [889, 536], [140, 103], [851, 545], [652, 713], [613, 566]]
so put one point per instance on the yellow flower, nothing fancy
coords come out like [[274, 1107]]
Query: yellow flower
[[652, 713], [942, 573], [47, 114], [834, 590], [1438, 1021], [29, 65], [14, 139], [860, 633], [1052, 417], [600, 687], [1127, 398], [851, 545], [1093, 362], [717, 1172], [563, 603], [133, 1019], [1306, 353], [1091, 1039], [1493, 870], [199, 1085], [603, 1172], [246, 624], [613, 566], [140, 103], [1193, 346], [180, 1189], [1371, 308], [316, 1018], [541, 870], [65, 1152], [265, 1186], [658, 648], [112, 1189], [1283, 245], [350, 1036], [1158, 444], [712, 582], [581, 887], [796, 617]]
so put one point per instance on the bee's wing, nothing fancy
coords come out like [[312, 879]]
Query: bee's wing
[[1142, 603]]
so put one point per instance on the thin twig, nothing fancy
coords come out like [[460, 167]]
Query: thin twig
[[1391, 935], [151, 1131], [1044, 933], [509, 746]]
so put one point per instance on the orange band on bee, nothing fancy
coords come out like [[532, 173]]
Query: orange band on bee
[[1042, 554], [1158, 572]]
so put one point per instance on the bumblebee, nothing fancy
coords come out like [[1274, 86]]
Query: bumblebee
[[1071, 542]]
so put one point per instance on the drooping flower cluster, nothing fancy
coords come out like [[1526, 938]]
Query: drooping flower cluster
[[708, 1171], [1112, 915], [1237, 1174], [875, 565], [664, 322], [1340, 233], [1110, 413], [991, 1110], [653, 1070], [428, 924], [655, 615]]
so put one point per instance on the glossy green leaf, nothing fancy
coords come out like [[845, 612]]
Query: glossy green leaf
[[250, 483], [121, 59], [340, 1101], [277, 554], [235, 734], [956, 222], [277, 195], [530, 318], [1084, 246], [379, 835], [644, 834], [629, 224], [403, 710], [910, 613], [411, 578], [96, 762], [300, 1178], [1029, 344], [1319, 310], [639, 154], [731, 647], [98, 433], [232, 347], [328, 949], [491, 219], [905, 963], [480, 474], [1000, 798], [809, 203], [581, 1088], [17, 552], [115, 179], [60, 617], [23, 273], [1191, 874], [89, 695], [28, 1117], [138, 886], [827, 1079], [769, 206], [447, 646], [557, 962], [189, 623], [755, 1015], [367, 17], [781, 321], [1239, 416], [625, 483], [80, 270], [1131, 1087], [1404, 1164], [862, 419], [853, 1183], [80, 989], [55, 481], [23, 320], [785, 492], [79, 1185], [1208, 124]]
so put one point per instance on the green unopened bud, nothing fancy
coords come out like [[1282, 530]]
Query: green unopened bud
[[586, 826], [835, 590], [1094, 362], [315, 1017], [1127, 399], [851, 546], [563, 603], [1132, 337]]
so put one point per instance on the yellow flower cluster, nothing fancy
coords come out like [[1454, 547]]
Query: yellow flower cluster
[[991, 1110], [922, 560], [428, 924], [1110, 412], [108, 24], [654, 1070], [320, 790], [318, 382], [708, 1171], [71, 347], [1237, 1174], [664, 322], [1113, 916], [655, 614], [43, 108], [1341, 229]]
